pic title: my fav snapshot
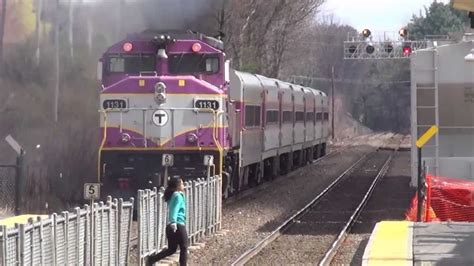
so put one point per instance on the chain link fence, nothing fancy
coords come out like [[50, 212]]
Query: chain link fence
[[203, 214], [92, 235], [8, 175]]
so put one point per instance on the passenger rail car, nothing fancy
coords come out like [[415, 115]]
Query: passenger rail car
[[173, 95]]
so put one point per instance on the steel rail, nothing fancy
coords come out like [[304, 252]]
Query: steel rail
[[329, 255], [250, 191], [249, 254]]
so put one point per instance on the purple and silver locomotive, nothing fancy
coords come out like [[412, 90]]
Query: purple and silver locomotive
[[171, 105]]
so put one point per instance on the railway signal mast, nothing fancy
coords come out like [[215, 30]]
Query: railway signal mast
[[391, 46]]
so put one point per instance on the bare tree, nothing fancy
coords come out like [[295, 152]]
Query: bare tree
[[244, 29], [265, 30]]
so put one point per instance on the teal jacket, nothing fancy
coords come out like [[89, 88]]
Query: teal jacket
[[177, 209]]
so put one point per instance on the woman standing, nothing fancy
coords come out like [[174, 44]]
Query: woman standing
[[176, 229]]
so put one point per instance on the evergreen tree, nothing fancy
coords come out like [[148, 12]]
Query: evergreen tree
[[438, 19]]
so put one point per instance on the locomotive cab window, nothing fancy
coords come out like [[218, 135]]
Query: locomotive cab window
[[193, 63], [252, 116], [131, 64]]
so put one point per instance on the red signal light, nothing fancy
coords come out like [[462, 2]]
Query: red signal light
[[407, 50], [127, 47]]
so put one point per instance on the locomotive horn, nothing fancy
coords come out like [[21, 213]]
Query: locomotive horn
[[161, 42], [162, 53]]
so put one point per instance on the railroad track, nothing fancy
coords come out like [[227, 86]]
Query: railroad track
[[261, 187], [327, 219]]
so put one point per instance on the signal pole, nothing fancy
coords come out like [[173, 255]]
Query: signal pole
[[332, 102]]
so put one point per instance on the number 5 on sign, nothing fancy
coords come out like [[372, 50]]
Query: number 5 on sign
[[91, 191]]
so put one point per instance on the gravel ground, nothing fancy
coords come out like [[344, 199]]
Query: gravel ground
[[308, 239], [390, 200], [249, 220]]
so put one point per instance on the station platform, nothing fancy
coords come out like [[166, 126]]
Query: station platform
[[20, 219], [409, 243]]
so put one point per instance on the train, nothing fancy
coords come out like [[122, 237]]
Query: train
[[171, 105]]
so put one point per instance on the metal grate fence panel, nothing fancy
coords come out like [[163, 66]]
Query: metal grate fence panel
[[203, 212], [66, 238]]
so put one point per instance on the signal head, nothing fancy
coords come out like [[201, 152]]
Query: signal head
[[370, 49], [352, 49], [403, 32], [407, 50], [388, 48], [366, 33]]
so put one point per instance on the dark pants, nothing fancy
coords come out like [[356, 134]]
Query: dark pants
[[180, 237]]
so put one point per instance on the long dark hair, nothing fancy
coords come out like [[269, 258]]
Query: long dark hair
[[173, 184]]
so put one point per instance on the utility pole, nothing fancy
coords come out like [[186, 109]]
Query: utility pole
[[56, 56], [332, 102], [39, 11], [2, 27], [71, 29]]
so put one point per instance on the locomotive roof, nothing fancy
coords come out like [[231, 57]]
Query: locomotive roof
[[150, 34]]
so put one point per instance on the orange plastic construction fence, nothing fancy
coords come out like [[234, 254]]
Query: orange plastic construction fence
[[447, 199]]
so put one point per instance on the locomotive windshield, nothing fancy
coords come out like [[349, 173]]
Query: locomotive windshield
[[193, 63], [132, 64]]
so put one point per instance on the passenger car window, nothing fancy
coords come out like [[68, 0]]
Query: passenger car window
[[272, 117], [252, 116], [287, 117]]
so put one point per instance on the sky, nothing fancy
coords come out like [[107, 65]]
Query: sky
[[376, 15]]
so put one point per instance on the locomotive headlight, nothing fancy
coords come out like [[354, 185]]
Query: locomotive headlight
[[160, 98], [192, 138], [125, 138], [160, 93], [160, 87]]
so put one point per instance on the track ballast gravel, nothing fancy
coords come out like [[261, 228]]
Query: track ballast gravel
[[390, 200], [308, 239], [249, 220]]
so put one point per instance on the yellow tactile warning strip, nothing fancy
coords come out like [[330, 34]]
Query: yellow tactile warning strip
[[391, 243], [20, 219]]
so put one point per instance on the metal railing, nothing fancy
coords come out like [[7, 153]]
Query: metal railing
[[88, 236], [203, 214], [100, 234]]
